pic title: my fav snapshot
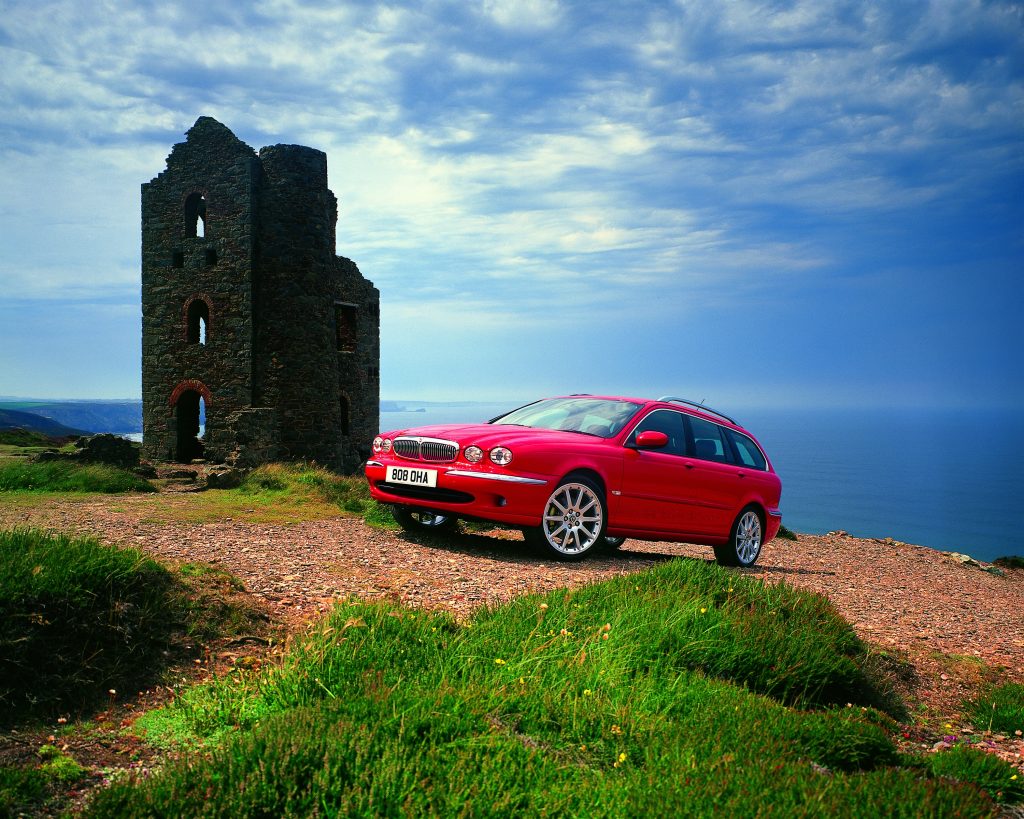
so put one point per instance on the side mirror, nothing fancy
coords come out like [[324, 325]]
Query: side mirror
[[651, 439]]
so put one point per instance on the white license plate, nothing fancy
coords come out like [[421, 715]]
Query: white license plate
[[412, 476]]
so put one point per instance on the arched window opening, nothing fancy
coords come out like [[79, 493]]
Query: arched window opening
[[195, 216], [190, 414], [197, 321], [346, 418]]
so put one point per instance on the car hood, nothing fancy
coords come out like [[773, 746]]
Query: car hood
[[486, 436]]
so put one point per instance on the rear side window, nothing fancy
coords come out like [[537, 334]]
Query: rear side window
[[746, 450], [708, 444], [669, 422]]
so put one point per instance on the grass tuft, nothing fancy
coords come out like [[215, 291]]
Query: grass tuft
[[1000, 708], [66, 476], [80, 621], [1001, 781]]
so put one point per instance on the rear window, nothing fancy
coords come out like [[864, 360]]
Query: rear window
[[746, 450]]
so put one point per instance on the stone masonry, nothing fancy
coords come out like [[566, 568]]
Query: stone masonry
[[247, 310]]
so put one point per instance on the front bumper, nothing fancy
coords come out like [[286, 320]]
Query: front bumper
[[504, 497]]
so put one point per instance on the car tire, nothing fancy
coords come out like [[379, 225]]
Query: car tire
[[613, 542], [573, 521], [419, 521], [745, 540]]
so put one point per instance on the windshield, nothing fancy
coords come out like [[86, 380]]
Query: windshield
[[591, 416]]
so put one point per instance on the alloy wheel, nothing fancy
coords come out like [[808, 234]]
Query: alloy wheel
[[573, 518]]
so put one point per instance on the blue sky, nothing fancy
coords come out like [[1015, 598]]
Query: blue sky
[[749, 203]]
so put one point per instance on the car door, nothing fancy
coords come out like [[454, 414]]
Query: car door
[[718, 481], [656, 489]]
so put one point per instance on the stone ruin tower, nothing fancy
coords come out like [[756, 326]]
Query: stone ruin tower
[[247, 310]]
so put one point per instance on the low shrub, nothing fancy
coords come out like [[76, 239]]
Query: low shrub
[[1000, 708], [20, 788], [76, 619], [1010, 562], [998, 779], [80, 621], [67, 476]]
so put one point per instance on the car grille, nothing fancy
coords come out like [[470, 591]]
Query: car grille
[[426, 449]]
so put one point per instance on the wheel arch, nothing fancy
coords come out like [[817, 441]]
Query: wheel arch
[[758, 507], [588, 472]]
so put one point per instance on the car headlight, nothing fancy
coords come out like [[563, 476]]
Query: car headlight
[[385, 447], [473, 454], [378, 444], [502, 456]]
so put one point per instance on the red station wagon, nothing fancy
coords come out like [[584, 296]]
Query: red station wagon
[[582, 472]]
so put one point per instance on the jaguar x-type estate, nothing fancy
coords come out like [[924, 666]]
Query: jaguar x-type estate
[[582, 472]]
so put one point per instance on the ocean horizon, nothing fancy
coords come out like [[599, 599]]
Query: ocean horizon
[[941, 478]]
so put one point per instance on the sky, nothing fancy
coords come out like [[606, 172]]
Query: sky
[[813, 203]]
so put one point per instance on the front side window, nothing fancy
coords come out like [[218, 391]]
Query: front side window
[[669, 422]]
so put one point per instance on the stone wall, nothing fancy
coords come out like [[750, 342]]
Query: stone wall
[[240, 295]]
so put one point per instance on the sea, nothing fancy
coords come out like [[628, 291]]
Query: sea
[[951, 480]]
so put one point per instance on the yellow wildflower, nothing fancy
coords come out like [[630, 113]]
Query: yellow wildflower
[[499, 661]]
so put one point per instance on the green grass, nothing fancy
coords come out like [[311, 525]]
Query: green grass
[[65, 476], [275, 493], [20, 789], [28, 439], [999, 709], [1000, 781], [78, 619], [682, 690], [786, 533]]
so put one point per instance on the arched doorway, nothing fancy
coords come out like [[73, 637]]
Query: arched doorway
[[189, 414], [189, 402]]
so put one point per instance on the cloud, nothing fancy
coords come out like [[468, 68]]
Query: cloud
[[518, 156]]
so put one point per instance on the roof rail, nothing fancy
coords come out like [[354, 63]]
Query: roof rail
[[672, 399]]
